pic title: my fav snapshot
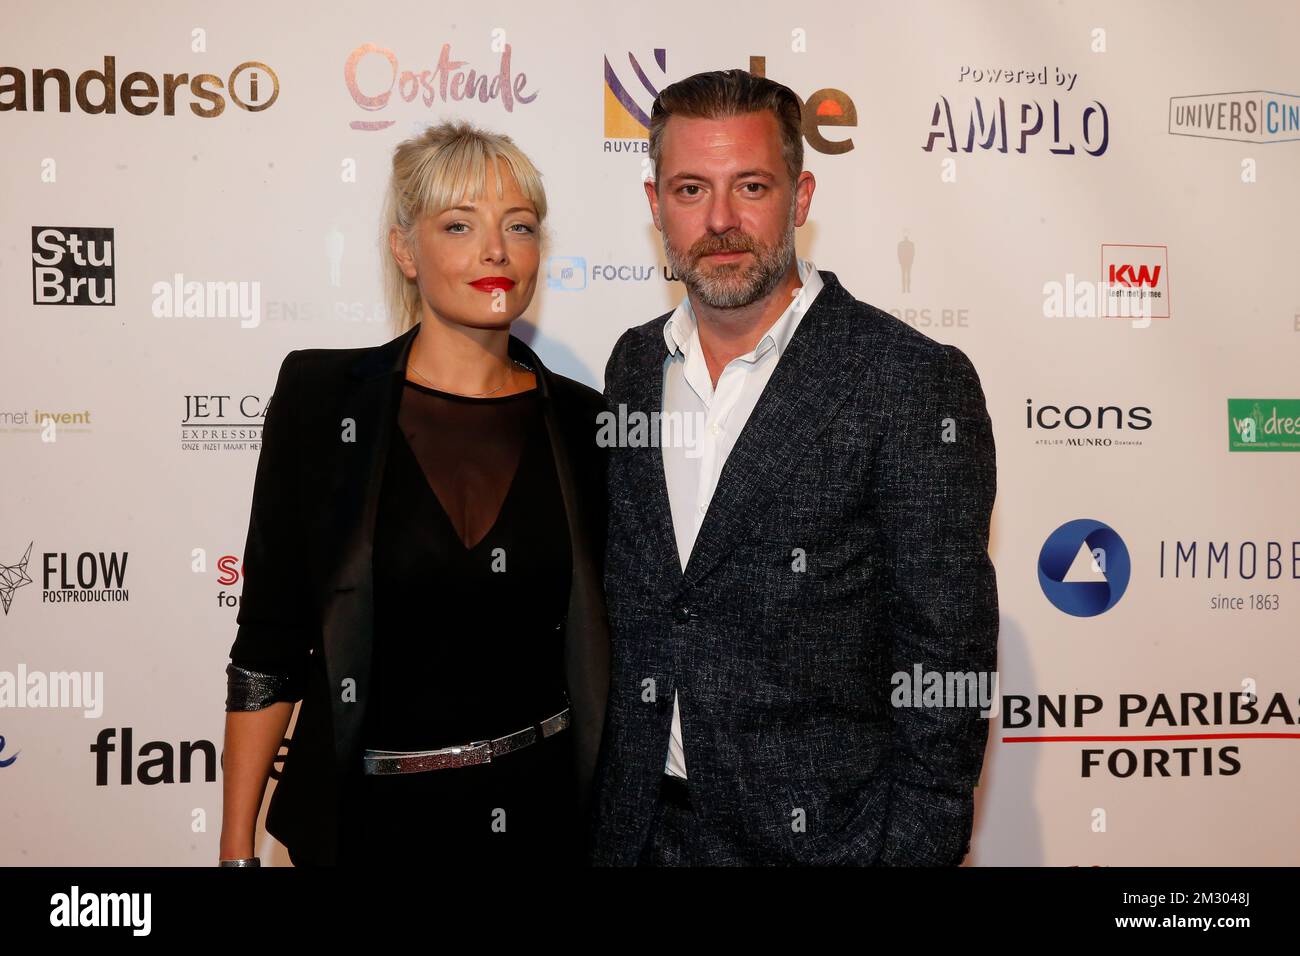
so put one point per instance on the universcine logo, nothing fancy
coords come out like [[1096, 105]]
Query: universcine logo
[[1258, 116], [1084, 568]]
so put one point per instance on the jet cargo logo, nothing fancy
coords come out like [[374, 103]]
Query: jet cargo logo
[[1255, 117], [1084, 568]]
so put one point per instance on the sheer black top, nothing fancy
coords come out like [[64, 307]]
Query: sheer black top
[[472, 570]]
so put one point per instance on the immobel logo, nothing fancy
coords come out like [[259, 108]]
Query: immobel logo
[[72, 265], [252, 86]]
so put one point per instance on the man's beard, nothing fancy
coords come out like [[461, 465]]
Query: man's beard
[[732, 285]]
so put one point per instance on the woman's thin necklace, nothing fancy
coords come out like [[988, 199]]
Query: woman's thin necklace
[[473, 395]]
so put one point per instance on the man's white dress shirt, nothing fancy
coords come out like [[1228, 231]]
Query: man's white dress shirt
[[692, 472]]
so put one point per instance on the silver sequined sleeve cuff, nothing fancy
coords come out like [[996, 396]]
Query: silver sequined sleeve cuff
[[255, 690]]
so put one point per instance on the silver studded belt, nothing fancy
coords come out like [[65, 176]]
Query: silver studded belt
[[462, 755]]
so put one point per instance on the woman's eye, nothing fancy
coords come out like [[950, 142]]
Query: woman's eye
[[455, 227], [527, 228]]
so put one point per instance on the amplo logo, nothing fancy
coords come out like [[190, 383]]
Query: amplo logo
[[1084, 568]]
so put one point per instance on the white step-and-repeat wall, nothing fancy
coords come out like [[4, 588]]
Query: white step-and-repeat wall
[[1096, 201]]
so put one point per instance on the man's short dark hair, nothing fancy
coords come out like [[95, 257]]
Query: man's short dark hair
[[721, 94]]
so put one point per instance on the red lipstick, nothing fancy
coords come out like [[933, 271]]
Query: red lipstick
[[492, 283]]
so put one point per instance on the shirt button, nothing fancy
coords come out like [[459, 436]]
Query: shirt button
[[703, 508], [715, 428], [682, 613]]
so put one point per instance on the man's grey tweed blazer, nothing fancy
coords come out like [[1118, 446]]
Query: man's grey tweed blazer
[[846, 542]]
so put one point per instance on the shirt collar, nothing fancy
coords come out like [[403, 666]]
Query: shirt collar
[[680, 331]]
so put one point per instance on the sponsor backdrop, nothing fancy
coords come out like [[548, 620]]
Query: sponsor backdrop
[[1095, 201]]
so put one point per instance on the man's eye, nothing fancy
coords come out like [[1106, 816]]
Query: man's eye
[[688, 186], [758, 188]]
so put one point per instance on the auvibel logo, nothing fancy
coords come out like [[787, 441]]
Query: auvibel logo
[[1084, 568], [629, 94], [1258, 116], [1263, 424]]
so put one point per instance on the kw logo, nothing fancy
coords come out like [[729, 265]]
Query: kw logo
[[1125, 276]]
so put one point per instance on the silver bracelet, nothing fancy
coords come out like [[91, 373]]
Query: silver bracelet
[[251, 861]]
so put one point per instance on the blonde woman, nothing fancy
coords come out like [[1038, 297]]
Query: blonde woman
[[424, 555]]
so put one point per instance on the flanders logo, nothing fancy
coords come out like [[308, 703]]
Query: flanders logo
[[1263, 424]]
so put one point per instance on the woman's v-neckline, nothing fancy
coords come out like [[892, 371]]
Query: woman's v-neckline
[[441, 509]]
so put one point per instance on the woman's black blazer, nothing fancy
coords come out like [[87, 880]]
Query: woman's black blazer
[[307, 608]]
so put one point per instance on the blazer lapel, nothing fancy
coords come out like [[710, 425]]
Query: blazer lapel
[[347, 617], [586, 633], [811, 380], [645, 466]]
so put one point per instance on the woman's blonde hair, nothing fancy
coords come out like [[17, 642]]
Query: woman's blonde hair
[[432, 172]]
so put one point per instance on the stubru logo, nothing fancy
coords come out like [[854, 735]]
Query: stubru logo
[[1084, 568], [139, 91], [1259, 116], [1263, 424], [72, 265]]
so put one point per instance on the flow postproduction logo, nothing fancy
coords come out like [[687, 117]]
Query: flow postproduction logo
[[1084, 568]]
